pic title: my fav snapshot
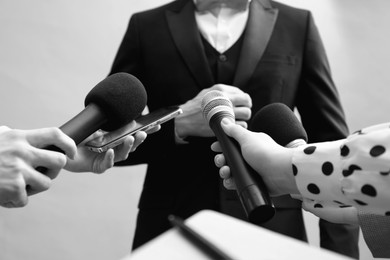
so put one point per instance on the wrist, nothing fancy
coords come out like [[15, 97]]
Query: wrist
[[279, 175], [288, 181]]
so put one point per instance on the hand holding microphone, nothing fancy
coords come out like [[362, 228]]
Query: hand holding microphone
[[20, 152], [263, 154], [273, 159], [266, 150], [114, 102], [250, 188], [25, 154]]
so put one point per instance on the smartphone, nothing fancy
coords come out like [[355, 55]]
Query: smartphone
[[142, 123]]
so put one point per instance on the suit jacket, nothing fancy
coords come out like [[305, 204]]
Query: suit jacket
[[282, 60], [376, 233]]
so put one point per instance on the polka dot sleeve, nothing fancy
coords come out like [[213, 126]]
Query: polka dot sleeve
[[354, 171], [318, 173]]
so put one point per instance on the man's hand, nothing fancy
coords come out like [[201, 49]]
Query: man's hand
[[192, 123]]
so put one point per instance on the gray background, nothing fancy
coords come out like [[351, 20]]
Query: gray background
[[53, 52]]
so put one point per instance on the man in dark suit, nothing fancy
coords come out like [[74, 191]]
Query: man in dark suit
[[265, 49]]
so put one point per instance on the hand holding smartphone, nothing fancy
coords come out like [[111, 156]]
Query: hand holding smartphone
[[142, 123]]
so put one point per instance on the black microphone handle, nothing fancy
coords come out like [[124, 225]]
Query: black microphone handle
[[85, 123], [88, 121], [251, 189]]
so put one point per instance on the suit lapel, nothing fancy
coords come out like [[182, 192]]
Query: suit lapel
[[261, 21], [185, 33]]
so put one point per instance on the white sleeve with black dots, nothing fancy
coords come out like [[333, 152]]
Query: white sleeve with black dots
[[349, 172]]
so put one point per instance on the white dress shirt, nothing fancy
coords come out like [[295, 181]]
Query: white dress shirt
[[222, 28]]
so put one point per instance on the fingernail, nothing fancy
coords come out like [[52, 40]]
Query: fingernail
[[217, 160]]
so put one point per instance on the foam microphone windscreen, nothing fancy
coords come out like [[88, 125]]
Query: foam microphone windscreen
[[278, 121], [121, 96]]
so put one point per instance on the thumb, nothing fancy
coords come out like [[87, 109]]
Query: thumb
[[233, 130], [103, 162]]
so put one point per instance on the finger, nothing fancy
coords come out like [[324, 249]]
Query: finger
[[241, 99], [97, 134], [103, 162], [122, 151], [17, 196], [219, 160], [16, 203], [153, 129], [8, 204], [242, 124], [216, 147], [236, 95], [229, 184], [36, 182], [52, 161], [52, 173], [242, 113], [233, 130], [46, 158], [139, 139], [101, 136], [224, 172], [52, 136]]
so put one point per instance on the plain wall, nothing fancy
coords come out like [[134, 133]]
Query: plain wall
[[53, 52]]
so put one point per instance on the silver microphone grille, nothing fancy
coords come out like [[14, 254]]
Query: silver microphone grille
[[215, 101]]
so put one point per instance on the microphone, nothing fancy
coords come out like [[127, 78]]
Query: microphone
[[251, 189], [111, 104], [279, 121]]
